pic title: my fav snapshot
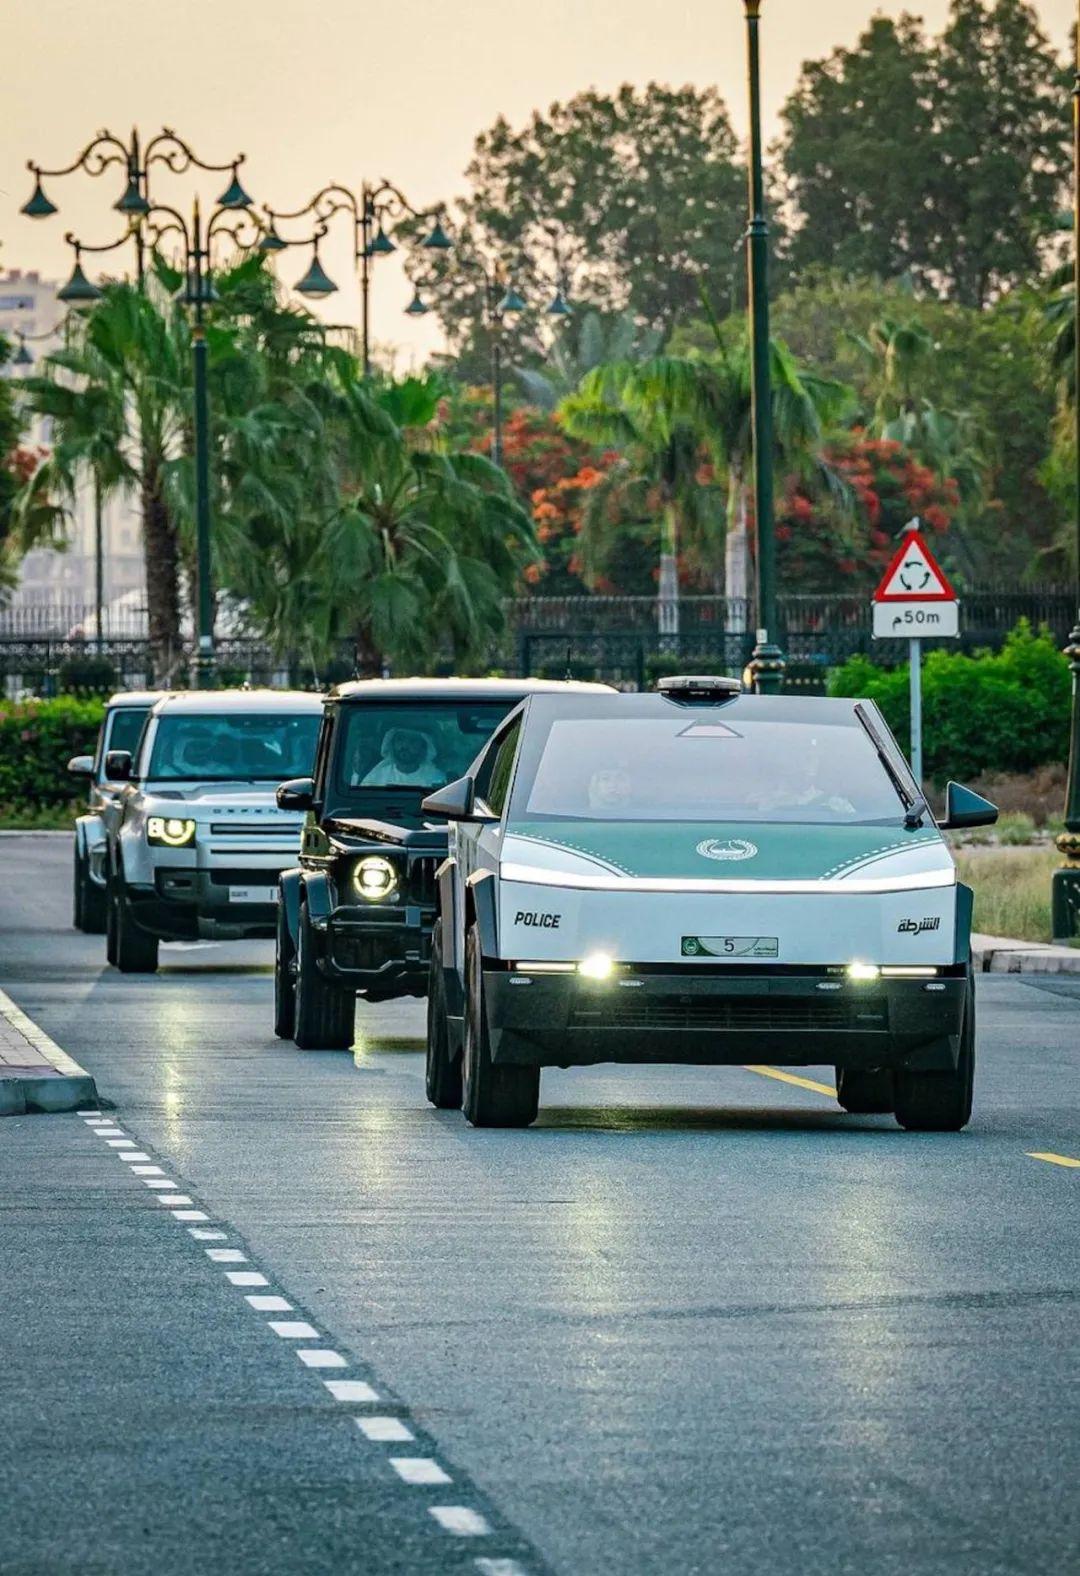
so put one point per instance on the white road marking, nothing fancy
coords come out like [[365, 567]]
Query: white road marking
[[110, 1132], [350, 1390], [165, 1182], [460, 1520], [121, 1143], [190, 1214], [294, 1329], [226, 1255], [174, 1198], [420, 1471], [321, 1358], [269, 1304], [207, 1236], [95, 1114], [136, 1154], [144, 1171], [500, 1568], [246, 1278], [383, 1430]]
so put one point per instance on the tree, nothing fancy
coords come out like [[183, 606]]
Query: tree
[[16, 466]]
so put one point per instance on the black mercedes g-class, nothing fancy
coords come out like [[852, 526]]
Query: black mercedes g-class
[[357, 914]]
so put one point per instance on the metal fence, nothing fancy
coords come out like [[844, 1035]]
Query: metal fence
[[623, 640]]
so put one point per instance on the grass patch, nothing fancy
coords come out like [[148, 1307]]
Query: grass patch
[[39, 818], [1012, 889]]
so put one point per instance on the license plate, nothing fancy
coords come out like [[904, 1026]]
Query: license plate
[[253, 894], [730, 947]]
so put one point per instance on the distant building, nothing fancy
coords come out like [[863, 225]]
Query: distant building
[[64, 582]]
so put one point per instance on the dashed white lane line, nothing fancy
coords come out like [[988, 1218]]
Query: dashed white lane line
[[350, 1390], [121, 1143], [145, 1171], [488, 1567], [419, 1471], [202, 1235], [246, 1278], [174, 1200], [136, 1154], [110, 1132], [225, 1255], [185, 1215], [383, 1430], [320, 1357], [159, 1182], [462, 1521], [294, 1329], [269, 1304]]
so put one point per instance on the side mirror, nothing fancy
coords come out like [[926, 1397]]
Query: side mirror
[[456, 802], [964, 807], [118, 766], [81, 765], [297, 794]]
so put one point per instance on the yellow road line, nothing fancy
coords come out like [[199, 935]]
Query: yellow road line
[[808, 1083], [1054, 1160]]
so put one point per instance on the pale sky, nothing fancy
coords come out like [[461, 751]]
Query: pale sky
[[357, 91]]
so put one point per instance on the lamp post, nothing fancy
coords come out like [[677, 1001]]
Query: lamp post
[[767, 660], [107, 149], [1065, 886], [376, 208], [196, 237]]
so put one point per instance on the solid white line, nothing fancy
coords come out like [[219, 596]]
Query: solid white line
[[460, 1520], [269, 1304], [420, 1471], [246, 1278], [226, 1255], [145, 1171], [294, 1329], [207, 1236], [321, 1358], [136, 1154], [174, 1198], [383, 1430], [500, 1568], [189, 1214], [350, 1390]]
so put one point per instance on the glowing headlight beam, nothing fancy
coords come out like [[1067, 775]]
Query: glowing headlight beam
[[597, 966], [170, 831], [375, 878], [861, 973]]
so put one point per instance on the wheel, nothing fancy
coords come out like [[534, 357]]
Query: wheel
[[865, 1093], [284, 984], [443, 1073], [325, 1014], [941, 1102], [493, 1096], [91, 901], [136, 951]]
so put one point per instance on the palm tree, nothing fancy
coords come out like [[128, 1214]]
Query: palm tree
[[581, 346]]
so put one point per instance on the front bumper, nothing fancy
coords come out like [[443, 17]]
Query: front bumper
[[720, 1017], [186, 903], [381, 949]]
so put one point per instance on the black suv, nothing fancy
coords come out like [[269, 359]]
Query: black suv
[[357, 915]]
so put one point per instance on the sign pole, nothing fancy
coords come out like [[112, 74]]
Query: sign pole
[[915, 674]]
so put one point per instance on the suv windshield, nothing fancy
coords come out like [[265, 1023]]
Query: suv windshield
[[232, 747], [678, 769], [417, 746]]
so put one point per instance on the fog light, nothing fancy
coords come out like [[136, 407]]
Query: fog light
[[171, 831], [375, 878], [859, 973], [597, 966]]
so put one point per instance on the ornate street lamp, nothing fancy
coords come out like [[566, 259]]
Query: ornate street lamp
[[374, 213], [767, 660], [1065, 887], [134, 202]]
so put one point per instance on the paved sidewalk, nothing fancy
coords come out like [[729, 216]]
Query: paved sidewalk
[[35, 1074], [1004, 955]]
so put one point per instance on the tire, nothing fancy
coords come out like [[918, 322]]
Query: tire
[[865, 1093], [136, 950], [284, 984], [492, 1096], [324, 1013], [442, 1072], [941, 1102]]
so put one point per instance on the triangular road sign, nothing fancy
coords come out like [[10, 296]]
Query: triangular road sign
[[914, 574]]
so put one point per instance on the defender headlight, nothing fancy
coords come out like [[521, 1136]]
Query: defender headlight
[[375, 878], [170, 831]]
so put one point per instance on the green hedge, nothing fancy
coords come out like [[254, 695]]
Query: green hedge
[[37, 739], [997, 711]]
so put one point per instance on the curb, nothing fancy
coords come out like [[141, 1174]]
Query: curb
[[61, 1085], [1004, 955]]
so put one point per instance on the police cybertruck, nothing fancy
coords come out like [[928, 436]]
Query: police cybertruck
[[708, 877]]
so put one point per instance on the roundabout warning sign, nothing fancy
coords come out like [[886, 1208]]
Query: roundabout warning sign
[[915, 600]]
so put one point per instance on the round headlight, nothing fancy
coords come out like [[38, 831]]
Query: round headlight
[[374, 877]]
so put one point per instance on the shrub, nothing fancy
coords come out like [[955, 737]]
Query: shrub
[[37, 739], [996, 711], [1015, 829], [92, 675]]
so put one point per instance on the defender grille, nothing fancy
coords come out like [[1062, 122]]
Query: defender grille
[[627, 1009]]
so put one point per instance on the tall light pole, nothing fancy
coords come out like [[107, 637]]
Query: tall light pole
[[1065, 886], [767, 661], [375, 210]]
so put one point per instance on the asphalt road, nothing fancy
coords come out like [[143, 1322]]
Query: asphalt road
[[696, 1320]]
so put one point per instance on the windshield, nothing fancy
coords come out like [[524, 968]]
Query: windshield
[[423, 745], [258, 747], [678, 769], [127, 724]]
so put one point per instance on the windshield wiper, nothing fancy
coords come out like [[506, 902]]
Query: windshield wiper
[[915, 806]]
